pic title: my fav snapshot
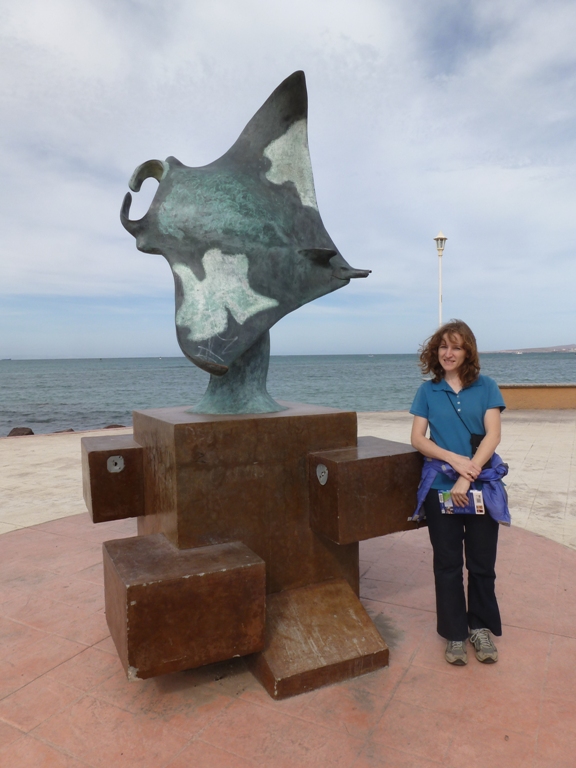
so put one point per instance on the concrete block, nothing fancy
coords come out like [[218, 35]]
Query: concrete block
[[211, 479], [365, 491], [170, 609], [316, 635], [112, 477]]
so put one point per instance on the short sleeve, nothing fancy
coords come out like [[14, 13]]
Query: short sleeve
[[420, 403], [494, 397]]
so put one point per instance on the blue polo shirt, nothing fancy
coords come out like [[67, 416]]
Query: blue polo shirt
[[440, 405]]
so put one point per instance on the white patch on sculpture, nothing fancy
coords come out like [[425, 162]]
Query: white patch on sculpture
[[290, 160], [206, 303]]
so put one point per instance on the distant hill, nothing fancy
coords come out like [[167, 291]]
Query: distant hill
[[566, 348]]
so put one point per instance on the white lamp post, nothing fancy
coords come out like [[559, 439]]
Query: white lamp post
[[440, 243]]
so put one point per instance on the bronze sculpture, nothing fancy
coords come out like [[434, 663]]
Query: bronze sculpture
[[246, 245], [249, 511]]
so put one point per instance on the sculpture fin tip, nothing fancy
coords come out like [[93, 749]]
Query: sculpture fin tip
[[319, 255]]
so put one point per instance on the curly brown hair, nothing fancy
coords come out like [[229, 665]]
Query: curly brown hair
[[429, 363]]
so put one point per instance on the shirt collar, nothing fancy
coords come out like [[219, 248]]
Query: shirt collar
[[443, 385]]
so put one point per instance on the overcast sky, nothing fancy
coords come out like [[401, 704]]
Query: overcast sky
[[423, 115]]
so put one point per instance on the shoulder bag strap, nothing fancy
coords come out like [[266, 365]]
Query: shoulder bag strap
[[456, 412]]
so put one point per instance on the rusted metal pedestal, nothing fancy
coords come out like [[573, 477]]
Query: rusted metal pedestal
[[218, 500]]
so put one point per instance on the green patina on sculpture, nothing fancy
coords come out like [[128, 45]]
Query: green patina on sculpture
[[246, 245]]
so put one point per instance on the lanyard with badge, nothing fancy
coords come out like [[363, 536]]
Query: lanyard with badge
[[475, 439], [475, 505]]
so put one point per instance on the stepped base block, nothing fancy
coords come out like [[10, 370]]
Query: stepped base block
[[210, 479], [316, 635], [170, 610]]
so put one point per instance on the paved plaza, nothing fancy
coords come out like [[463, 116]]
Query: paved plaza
[[65, 701]]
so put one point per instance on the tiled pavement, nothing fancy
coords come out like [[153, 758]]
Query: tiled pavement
[[65, 702]]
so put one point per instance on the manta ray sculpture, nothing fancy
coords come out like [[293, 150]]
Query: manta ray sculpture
[[246, 245]]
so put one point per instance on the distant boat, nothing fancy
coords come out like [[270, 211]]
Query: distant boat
[[519, 353]]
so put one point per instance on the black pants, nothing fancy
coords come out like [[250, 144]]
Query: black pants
[[479, 535]]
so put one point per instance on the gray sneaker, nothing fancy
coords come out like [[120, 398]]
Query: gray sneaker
[[485, 649], [456, 652]]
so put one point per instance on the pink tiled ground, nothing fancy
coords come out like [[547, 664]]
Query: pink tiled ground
[[65, 702]]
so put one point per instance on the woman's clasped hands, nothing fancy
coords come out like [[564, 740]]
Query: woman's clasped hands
[[468, 471]]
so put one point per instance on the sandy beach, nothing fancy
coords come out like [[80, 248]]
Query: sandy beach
[[41, 479], [540, 449]]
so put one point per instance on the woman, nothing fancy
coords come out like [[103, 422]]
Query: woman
[[458, 403]]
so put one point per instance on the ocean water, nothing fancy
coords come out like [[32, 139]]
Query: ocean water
[[52, 395]]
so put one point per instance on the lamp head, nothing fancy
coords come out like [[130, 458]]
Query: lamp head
[[440, 241]]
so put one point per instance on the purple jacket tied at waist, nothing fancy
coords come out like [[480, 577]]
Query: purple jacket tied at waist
[[495, 496]]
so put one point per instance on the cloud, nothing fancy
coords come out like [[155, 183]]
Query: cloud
[[449, 115]]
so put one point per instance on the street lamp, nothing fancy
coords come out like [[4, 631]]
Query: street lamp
[[440, 243]]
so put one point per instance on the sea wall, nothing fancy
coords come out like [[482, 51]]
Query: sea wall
[[539, 396]]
